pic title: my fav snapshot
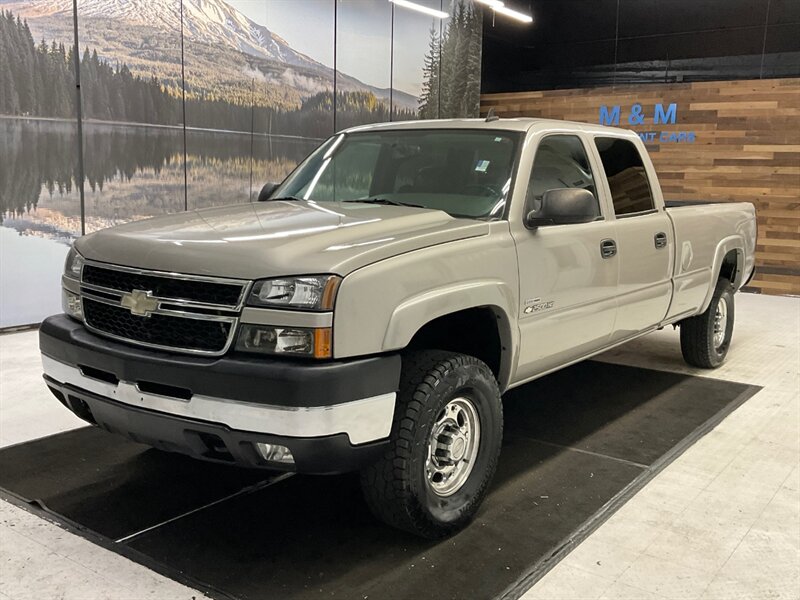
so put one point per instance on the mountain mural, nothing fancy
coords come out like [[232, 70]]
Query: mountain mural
[[228, 56], [254, 107]]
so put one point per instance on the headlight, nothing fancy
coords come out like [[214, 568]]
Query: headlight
[[293, 341], [314, 292], [73, 265]]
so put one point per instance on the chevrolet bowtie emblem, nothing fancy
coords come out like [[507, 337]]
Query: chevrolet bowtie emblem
[[140, 303]]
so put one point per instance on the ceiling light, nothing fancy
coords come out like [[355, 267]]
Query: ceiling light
[[498, 7], [514, 14], [423, 9]]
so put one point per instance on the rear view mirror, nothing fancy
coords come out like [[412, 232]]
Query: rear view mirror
[[565, 206], [266, 191]]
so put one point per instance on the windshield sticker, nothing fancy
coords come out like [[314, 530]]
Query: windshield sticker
[[482, 166]]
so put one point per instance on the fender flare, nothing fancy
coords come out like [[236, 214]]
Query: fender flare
[[417, 311], [728, 244]]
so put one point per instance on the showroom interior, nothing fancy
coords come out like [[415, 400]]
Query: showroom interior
[[475, 400]]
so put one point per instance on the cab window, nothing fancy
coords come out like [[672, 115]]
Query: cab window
[[560, 162], [627, 177]]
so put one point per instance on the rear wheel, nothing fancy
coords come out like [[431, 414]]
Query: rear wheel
[[706, 338], [444, 445]]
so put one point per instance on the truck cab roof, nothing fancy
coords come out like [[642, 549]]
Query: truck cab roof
[[521, 124]]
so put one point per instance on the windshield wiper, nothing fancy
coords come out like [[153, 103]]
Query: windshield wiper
[[385, 201], [284, 198]]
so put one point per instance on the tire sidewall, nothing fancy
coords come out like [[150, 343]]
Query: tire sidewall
[[718, 355], [476, 383]]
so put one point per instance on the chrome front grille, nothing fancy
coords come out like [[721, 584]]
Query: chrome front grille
[[170, 311], [200, 291]]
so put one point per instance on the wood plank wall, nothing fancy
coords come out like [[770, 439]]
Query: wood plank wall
[[747, 149]]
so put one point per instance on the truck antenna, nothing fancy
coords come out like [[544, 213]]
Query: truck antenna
[[490, 116]]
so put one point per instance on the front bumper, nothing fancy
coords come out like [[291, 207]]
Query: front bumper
[[333, 417]]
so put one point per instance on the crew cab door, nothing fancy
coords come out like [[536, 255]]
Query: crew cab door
[[567, 283], [644, 237]]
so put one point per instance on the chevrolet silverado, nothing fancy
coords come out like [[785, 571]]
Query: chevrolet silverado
[[369, 312]]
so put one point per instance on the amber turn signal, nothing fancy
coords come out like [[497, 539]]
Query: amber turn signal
[[323, 342]]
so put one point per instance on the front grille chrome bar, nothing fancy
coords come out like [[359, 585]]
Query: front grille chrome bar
[[244, 285], [165, 311], [166, 306]]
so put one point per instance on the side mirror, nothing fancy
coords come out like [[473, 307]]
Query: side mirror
[[565, 206], [266, 191]]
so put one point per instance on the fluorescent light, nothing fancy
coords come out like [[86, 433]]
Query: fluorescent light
[[498, 6], [423, 9], [514, 14]]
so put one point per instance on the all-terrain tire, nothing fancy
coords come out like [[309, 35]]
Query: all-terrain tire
[[698, 345], [398, 487]]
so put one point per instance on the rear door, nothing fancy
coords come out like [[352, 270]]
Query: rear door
[[567, 285], [644, 238]]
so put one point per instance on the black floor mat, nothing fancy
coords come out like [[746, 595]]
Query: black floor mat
[[575, 441], [112, 486]]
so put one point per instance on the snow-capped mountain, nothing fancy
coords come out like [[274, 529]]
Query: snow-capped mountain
[[207, 21], [224, 48]]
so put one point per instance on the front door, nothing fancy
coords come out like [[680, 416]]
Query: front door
[[567, 283]]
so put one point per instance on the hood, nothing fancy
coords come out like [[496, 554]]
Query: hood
[[272, 239]]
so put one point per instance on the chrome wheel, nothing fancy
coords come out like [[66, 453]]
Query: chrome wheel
[[453, 447], [720, 322]]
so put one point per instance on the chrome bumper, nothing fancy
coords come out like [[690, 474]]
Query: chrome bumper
[[362, 420]]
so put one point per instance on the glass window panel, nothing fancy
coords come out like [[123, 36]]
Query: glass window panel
[[133, 115], [39, 199], [560, 162], [627, 177], [460, 72], [462, 172], [416, 61], [223, 54], [363, 62], [293, 110]]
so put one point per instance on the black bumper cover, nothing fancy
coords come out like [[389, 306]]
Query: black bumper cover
[[254, 380]]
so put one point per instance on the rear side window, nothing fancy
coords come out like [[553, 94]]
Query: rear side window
[[627, 178]]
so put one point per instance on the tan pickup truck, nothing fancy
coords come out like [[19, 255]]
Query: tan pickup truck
[[369, 313]]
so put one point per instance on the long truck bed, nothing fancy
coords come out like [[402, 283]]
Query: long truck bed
[[704, 234]]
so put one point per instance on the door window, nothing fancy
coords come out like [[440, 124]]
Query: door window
[[627, 177], [560, 162]]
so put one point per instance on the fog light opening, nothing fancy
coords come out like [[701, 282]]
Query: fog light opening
[[275, 453]]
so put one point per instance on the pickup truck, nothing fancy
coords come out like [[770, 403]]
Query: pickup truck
[[370, 312]]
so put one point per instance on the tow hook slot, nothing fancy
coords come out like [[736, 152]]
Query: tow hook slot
[[80, 408], [162, 389], [215, 447], [98, 374]]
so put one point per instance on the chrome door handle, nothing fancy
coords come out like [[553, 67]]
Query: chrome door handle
[[660, 240], [608, 248]]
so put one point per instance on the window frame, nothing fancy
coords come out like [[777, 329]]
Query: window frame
[[591, 159], [640, 213]]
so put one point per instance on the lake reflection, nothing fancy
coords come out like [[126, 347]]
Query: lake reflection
[[131, 172]]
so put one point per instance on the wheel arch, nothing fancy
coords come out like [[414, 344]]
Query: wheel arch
[[729, 262], [471, 318]]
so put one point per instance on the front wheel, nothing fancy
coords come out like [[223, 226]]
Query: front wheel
[[444, 445], [706, 338]]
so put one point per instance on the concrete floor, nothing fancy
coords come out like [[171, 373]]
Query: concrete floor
[[722, 521]]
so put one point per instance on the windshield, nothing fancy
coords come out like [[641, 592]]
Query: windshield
[[466, 173]]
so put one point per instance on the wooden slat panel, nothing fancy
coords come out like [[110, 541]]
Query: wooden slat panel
[[747, 149]]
